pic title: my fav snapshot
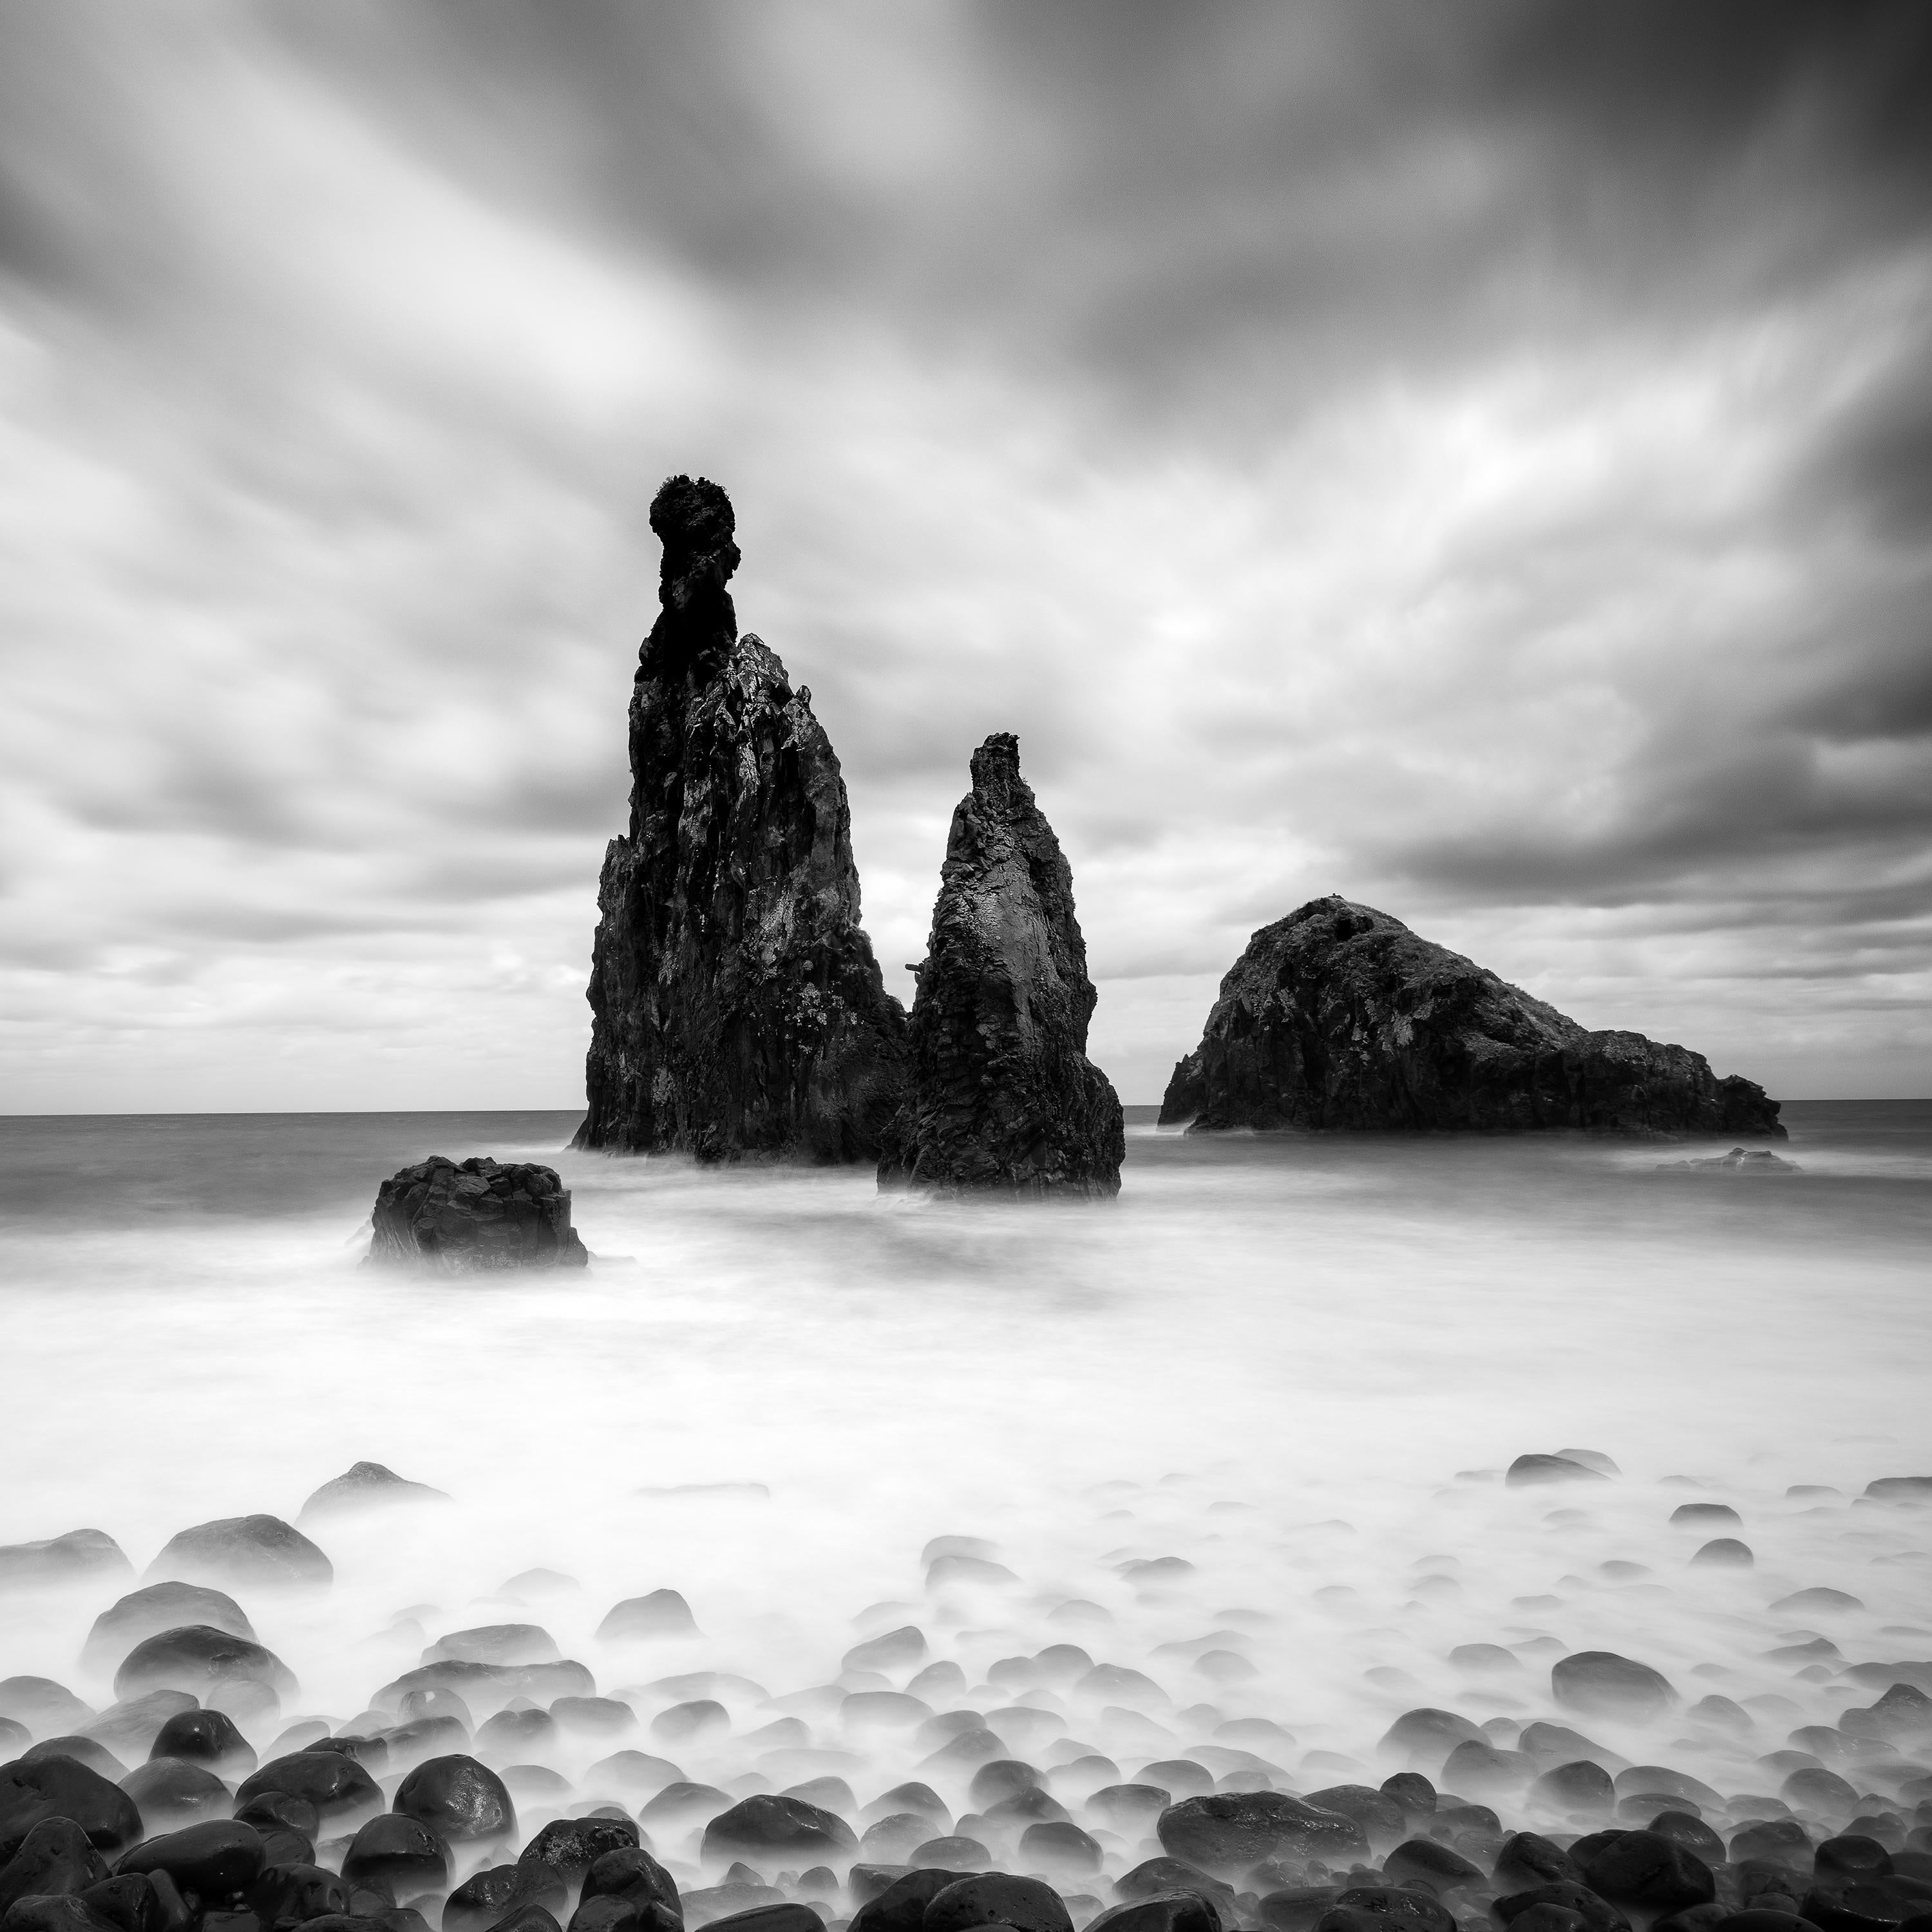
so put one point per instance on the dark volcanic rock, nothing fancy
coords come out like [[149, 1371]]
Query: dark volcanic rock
[[1231, 1830], [570, 1846], [262, 1550], [787, 1827], [997, 1898], [337, 1786], [486, 1897], [58, 1787], [1004, 1095], [1339, 1016], [219, 1860], [207, 1737], [457, 1799], [1602, 1682], [55, 1856], [80, 1553], [171, 1792], [156, 1607], [473, 1217], [195, 1659], [400, 1851], [738, 1009]]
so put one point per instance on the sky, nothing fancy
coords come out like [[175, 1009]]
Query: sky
[[1475, 459]]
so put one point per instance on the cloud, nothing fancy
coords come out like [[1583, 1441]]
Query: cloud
[[1477, 463]]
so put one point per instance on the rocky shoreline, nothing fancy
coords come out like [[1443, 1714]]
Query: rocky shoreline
[[992, 1753]]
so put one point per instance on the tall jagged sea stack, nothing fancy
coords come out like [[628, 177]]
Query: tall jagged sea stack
[[1004, 1098], [738, 1009]]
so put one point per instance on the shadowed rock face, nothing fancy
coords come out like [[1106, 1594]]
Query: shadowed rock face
[[1339, 1016], [474, 1217], [1004, 1097], [738, 1008]]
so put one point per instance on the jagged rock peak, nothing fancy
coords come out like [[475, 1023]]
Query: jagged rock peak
[[1004, 1098], [1340, 1016], [737, 1007]]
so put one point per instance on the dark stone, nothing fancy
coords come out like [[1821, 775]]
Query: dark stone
[[527, 1916], [1003, 1096], [1059, 1841], [954, 1849], [1000, 1777], [1601, 1682], [570, 1846], [1163, 1911], [1780, 1841], [1382, 1817], [660, 1613], [205, 1737], [218, 1860], [1386, 1908], [1476, 1765], [787, 1826], [901, 1906], [1739, 1160], [365, 1486], [290, 1893], [421, 1738], [61, 1559], [783, 1915], [1433, 1863], [623, 1915], [55, 1856], [1851, 1856], [1339, 1016], [488, 1896], [139, 1902], [1153, 1875], [997, 1898], [1526, 1860], [1596, 1911], [156, 1607], [1759, 1919], [58, 1787], [1531, 1471], [1231, 1830], [1646, 1868], [458, 1799], [371, 1754], [336, 1785], [737, 1007], [260, 1550], [64, 1912], [130, 1728], [1692, 1833], [474, 1216], [1580, 1786], [400, 1850], [1412, 1792], [279, 1811], [170, 1792], [1298, 1908], [632, 1874], [195, 1659]]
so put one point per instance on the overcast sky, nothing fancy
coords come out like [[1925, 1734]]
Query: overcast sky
[[1477, 459]]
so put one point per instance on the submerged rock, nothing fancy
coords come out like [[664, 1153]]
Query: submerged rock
[[261, 1550], [1004, 1097], [474, 1217], [738, 1008], [1339, 1016], [1739, 1160], [80, 1554], [369, 1486]]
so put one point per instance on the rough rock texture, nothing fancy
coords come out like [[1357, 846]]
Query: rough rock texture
[[1004, 1097], [475, 1217], [1339, 1016], [738, 1008]]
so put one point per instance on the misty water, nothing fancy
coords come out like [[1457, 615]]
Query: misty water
[[1293, 1369]]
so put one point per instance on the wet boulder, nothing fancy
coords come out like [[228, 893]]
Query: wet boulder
[[1004, 1097], [45, 1707], [195, 1659], [570, 1846], [997, 1898], [89, 1751], [400, 1852], [1160, 1911], [496, 1643], [1646, 1869], [56, 1856], [81, 1555], [364, 1487], [1226, 1832], [1430, 1862], [1603, 1684], [217, 1861], [658, 1613], [130, 1728], [262, 1552], [773, 1826], [632, 1874], [288, 1894], [61, 1911], [1430, 1734], [58, 1787], [139, 1902], [459, 1799], [206, 1737], [488, 1897], [478, 1216], [337, 1786], [900, 1905], [171, 1792], [1596, 1911]]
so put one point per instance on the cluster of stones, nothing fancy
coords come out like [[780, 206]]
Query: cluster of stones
[[407, 1817]]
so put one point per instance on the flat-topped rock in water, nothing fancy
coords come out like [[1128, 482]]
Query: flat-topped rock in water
[[1739, 1160], [1338, 1016], [1004, 1098], [474, 1217], [738, 1009]]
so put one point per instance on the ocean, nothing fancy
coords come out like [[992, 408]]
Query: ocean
[[1297, 1366]]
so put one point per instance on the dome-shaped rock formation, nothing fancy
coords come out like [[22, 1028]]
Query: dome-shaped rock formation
[[474, 1217], [738, 1009], [1004, 1098], [1339, 1016]]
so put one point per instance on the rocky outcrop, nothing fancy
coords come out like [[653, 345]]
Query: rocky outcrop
[[475, 1216], [1339, 1016], [738, 1009], [1004, 1097]]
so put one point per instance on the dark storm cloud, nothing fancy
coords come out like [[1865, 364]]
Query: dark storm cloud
[[1477, 459]]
